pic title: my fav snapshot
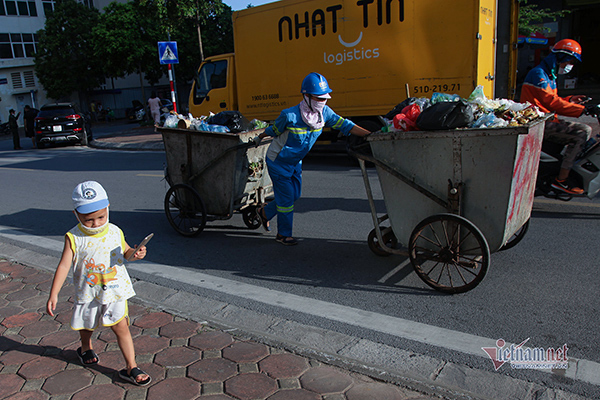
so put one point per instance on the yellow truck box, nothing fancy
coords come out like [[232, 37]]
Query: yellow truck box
[[372, 52]]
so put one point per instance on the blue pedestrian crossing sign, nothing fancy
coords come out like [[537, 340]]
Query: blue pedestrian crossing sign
[[167, 53]]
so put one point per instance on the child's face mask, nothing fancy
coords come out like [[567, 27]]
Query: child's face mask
[[93, 223]]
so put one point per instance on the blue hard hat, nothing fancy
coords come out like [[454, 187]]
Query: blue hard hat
[[317, 85]]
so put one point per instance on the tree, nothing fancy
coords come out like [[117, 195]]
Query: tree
[[65, 61], [531, 17]]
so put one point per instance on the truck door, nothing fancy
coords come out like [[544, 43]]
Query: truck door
[[210, 91]]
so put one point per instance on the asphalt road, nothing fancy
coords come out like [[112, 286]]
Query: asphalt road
[[545, 289]]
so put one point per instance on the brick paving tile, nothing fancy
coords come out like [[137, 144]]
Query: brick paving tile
[[29, 395], [324, 380], [39, 329], [300, 394], [36, 303], [11, 268], [60, 339], [21, 319], [149, 344], [23, 294], [250, 386], [10, 383], [109, 359], [245, 352], [36, 278], [41, 367], [177, 357], [108, 391], [153, 320], [9, 311], [136, 310], [3, 303], [68, 382], [44, 286], [10, 286], [215, 340], [180, 329], [20, 271], [284, 365], [212, 370], [21, 354], [177, 388], [375, 391], [215, 397]]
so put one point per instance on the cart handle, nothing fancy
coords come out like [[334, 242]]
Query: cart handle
[[400, 176]]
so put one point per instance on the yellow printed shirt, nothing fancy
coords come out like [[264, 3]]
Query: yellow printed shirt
[[294, 139], [99, 271]]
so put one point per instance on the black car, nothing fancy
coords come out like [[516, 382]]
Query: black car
[[62, 123]]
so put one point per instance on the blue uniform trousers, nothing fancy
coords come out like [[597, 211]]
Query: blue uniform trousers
[[287, 190]]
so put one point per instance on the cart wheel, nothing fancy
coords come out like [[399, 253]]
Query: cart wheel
[[388, 238], [185, 210], [449, 253], [516, 238], [250, 218]]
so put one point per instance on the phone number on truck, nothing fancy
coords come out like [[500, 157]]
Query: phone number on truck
[[444, 88], [261, 97]]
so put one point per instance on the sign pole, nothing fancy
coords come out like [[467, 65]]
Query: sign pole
[[172, 87]]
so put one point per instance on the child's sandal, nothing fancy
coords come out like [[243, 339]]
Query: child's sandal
[[132, 376], [87, 357]]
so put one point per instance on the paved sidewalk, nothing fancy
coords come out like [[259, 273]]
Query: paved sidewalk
[[187, 359]]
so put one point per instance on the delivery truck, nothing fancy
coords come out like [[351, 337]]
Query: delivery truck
[[374, 53]]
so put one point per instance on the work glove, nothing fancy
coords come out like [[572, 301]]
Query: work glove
[[256, 141], [593, 110]]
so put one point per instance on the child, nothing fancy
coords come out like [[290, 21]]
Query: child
[[97, 251]]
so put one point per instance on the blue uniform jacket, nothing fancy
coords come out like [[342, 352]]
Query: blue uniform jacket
[[294, 139]]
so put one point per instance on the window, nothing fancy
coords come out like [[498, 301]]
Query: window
[[16, 45], [213, 75], [20, 7], [48, 5]]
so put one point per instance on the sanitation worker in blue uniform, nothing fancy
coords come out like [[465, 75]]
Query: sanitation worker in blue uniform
[[295, 131]]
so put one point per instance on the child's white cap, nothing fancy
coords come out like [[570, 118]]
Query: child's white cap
[[89, 197]]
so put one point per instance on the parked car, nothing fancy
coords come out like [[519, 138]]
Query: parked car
[[62, 123], [138, 113]]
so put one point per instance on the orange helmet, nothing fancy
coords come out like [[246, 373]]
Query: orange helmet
[[568, 46]]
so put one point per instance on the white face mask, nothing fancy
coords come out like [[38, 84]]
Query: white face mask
[[565, 70], [93, 231]]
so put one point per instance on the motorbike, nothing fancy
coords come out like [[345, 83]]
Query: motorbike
[[4, 129], [585, 173]]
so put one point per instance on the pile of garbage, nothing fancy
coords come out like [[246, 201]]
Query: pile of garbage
[[223, 122], [450, 111]]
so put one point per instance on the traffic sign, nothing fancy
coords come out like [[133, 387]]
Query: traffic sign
[[167, 53]]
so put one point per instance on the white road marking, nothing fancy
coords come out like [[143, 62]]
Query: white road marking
[[579, 369]]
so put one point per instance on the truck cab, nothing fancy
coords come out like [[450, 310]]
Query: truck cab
[[214, 87]]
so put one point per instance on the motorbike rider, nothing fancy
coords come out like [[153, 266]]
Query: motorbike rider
[[540, 90]]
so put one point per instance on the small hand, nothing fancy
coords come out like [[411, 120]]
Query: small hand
[[139, 253], [51, 306]]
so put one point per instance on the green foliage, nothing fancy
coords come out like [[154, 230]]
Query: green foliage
[[80, 47], [65, 61], [531, 17], [126, 37]]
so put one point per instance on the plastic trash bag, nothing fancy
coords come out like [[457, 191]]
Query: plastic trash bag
[[445, 115], [438, 97], [233, 120], [407, 119], [171, 121]]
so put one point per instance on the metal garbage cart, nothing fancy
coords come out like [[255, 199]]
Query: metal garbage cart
[[211, 175], [453, 197]]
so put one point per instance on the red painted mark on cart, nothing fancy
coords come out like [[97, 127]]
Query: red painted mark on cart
[[524, 175]]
